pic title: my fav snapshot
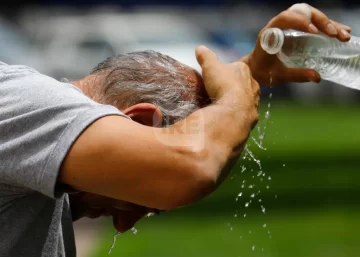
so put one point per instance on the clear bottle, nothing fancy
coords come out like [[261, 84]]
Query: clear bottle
[[335, 61]]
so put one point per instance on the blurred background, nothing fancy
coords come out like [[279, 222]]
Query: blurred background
[[304, 201]]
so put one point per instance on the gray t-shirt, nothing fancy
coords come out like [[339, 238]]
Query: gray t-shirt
[[40, 118]]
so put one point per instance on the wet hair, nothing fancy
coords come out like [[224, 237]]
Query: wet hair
[[151, 77]]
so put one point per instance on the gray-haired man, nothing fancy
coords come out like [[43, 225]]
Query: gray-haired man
[[141, 133]]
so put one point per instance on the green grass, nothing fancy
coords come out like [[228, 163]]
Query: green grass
[[307, 234], [311, 204]]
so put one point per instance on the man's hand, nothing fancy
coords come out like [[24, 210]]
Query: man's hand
[[268, 69], [124, 214], [229, 82]]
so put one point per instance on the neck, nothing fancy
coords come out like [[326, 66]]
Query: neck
[[83, 85]]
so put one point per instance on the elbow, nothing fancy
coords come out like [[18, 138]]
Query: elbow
[[198, 179]]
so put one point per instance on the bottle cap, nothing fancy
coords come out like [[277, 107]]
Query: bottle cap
[[272, 40]]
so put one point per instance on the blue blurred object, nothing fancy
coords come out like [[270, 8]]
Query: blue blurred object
[[238, 42]]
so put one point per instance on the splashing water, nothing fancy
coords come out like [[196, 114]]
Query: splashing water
[[134, 230], [258, 143], [114, 241], [257, 172], [263, 209], [261, 132], [253, 156]]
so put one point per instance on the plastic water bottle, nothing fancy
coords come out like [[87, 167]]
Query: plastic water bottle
[[335, 61]]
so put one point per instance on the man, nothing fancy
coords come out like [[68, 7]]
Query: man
[[122, 140]]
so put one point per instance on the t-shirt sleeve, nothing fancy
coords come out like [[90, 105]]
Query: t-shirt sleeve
[[40, 119]]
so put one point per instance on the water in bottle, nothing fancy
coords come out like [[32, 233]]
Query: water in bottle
[[335, 61]]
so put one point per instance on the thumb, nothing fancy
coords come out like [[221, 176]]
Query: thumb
[[205, 56]]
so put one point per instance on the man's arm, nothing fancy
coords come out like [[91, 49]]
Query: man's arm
[[164, 168]]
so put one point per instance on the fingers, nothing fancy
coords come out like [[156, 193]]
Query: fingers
[[306, 18], [126, 206], [321, 21], [301, 75], [205, 57], [125, 220], [343, 31], [293, 20]]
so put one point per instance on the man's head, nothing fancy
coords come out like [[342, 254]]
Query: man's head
[[149, 87]]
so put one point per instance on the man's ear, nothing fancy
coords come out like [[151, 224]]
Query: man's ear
[[145, 113]]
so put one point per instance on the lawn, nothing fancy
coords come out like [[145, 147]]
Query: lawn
[[310, 193]]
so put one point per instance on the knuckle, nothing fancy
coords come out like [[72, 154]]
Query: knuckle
[[285, 15]]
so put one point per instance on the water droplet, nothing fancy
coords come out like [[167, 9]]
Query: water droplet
[[267, 115], [243, 186], [245, 215], [258, 192], [231, 229], [284, 165], [260, 200], [249, 231], [269, 178], [270, 95], [240, 194], [267, 187], [150, 214], [134, 230], [263, 209], [235, 216], [275, 196], [246, 205], [253, 248], [260, 173], [251, 186], [243, 169], [264, 226], [252, 196]]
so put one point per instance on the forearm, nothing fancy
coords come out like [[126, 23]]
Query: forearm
[[225, 146]]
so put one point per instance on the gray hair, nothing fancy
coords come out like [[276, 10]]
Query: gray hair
[[150, 77]]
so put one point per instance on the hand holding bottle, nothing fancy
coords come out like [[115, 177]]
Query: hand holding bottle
[[268, 69]]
